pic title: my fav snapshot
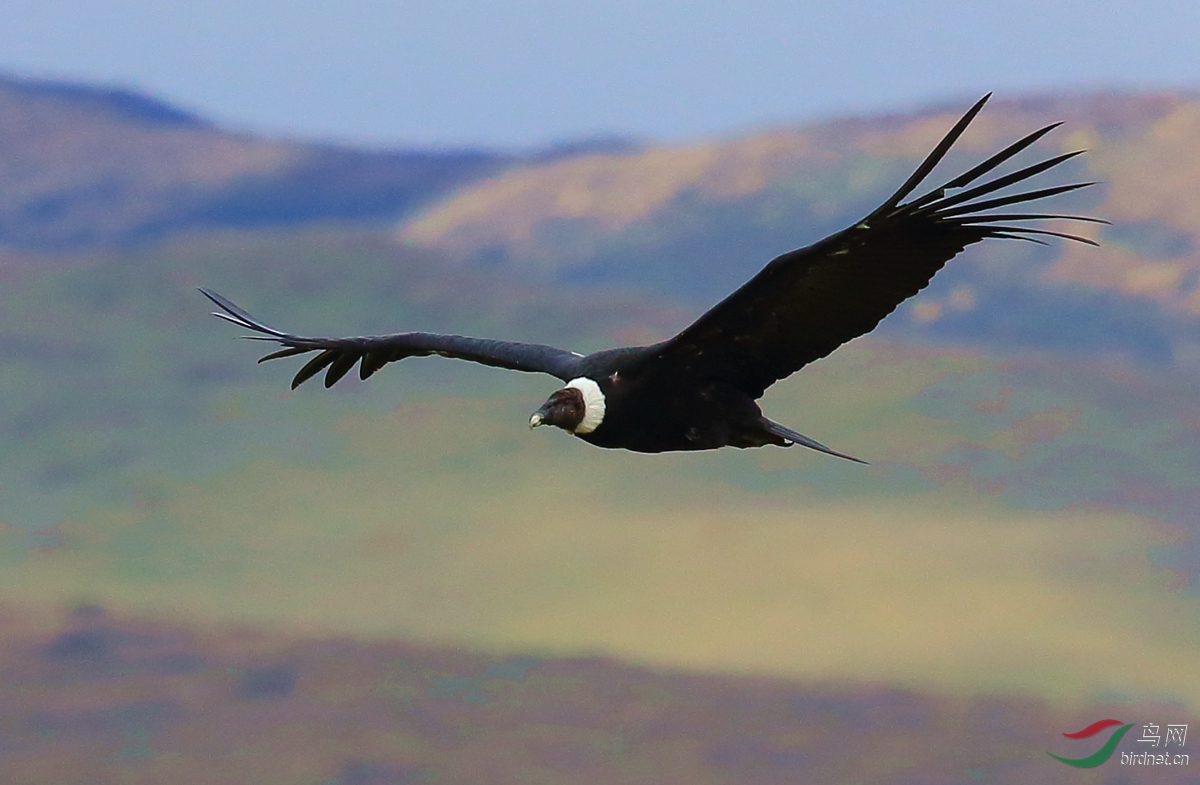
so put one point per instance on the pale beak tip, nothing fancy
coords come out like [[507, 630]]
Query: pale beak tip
[[535, 421]]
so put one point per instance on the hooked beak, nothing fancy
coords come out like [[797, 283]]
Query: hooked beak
[[539, 417]]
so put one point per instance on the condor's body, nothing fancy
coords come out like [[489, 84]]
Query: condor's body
[[701, 415]]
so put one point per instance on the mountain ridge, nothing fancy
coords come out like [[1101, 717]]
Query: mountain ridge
[[94, 167]]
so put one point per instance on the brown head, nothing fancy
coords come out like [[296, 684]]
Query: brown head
[[578, 407]]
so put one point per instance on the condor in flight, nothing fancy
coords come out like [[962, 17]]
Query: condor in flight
[[697, 391]]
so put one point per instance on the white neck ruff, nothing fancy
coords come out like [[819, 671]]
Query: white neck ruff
[[593, 403]]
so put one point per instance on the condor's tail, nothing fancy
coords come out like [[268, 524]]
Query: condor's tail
[[790, 437]]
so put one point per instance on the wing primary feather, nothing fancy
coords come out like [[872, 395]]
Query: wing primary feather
[[1046, 232], [966, 178], [239, 322], [1028, 196], [372, 362], [313, 367], [931, 160], [980, 219], [1009, 236], [340, 367], [291, 351], [237, 315], [998, 183]]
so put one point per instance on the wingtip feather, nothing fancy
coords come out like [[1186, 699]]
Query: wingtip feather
[[290, 351], [931, 160], [237, 315], [313, 367]]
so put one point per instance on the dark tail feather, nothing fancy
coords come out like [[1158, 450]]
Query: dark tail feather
[[783, 432]]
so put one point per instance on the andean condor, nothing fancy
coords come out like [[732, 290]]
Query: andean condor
[[697, 390]]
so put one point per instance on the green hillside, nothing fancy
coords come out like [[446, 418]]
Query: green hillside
[[112, 363]]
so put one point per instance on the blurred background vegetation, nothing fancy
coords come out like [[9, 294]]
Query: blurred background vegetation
[[189, 548]]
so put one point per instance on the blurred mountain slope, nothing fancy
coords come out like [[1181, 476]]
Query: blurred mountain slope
[[81, 166], [570, 214], [695, 221]]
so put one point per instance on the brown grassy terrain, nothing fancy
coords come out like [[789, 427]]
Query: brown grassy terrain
[[92, 698]]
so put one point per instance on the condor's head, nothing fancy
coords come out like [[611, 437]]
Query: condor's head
[[578, 407]]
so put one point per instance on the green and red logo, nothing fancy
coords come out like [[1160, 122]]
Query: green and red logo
[[1100, 755]]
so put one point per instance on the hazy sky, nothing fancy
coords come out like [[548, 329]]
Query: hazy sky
[[526, 72]]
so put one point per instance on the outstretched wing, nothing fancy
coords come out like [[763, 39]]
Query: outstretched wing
[[806, 303], [340, 354]]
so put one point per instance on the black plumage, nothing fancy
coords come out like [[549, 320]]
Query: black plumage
[[697, 390]]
